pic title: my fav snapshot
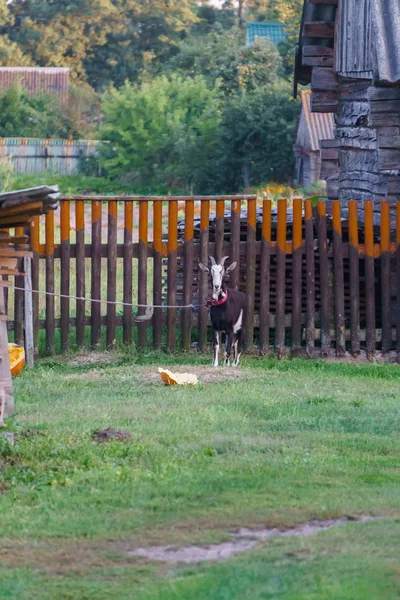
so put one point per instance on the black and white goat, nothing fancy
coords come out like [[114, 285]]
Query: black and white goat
[[228, 308]]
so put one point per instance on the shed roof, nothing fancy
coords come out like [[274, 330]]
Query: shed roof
[[313, 127], [274, 31]]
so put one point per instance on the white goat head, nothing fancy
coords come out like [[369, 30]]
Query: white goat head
[[218, 272]]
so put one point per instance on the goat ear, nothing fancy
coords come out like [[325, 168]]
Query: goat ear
[[231, 267], [203, 267]]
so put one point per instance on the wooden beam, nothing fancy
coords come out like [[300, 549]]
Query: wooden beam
[[319, 29], [332, 2], [323, 79], [324, 102]]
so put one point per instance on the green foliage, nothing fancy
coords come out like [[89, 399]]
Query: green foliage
[[162, 130], [256, 137], [7, 177], [38, 116]]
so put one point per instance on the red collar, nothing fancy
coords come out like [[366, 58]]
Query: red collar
[[211, 302]]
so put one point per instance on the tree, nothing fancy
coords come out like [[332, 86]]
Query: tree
[[22, 116], [222, 56], [256, 138], [162, 131]]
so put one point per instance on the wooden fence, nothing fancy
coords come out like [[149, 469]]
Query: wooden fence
[[320, 279], [35, 155]]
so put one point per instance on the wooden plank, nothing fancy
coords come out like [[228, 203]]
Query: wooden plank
[[398, 281], [389, 141], [310, 278], [172, 266], [219, 229], [324, 102], [385, 276], [96, 275], [188, 275], [251, 268], [157, 273], [324, 278], [28, 314], [389, 159], [330, 2], [234, 252], [319, 29], [354, 278], [280, 279], [203, 277], [65, 228], [142, 270], [50, 316], [111, 274], [5, 373], [35, 239], [22, 209], [338, 278], [19, 299], [127, 273], [80, 272], [369, 277], [316, 51], [317, 61], [265, 276], [324, 79]]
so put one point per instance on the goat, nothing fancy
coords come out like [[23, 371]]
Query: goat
[[228, 312]]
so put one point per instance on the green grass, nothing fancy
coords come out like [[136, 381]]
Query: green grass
[[282, 443]]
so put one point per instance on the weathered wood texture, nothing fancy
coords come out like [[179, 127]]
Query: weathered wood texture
[[327, 274]]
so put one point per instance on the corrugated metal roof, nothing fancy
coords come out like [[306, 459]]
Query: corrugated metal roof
[[313, 127], [274, 31], [49, 80], [386, 40]]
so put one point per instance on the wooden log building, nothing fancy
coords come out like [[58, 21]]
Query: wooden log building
[[311, 130], [16, 211], [349, 51]]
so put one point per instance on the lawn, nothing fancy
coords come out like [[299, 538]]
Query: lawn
[[273, 444]]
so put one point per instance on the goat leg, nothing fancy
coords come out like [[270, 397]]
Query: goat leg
[[215, 335], [229, 341]]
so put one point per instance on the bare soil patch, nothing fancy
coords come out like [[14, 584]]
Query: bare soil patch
[[92, 358], [244, 539], [110, 434], [205, 374]]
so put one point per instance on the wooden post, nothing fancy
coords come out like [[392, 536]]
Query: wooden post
[[111, 273], [385, 275], [324, 278], [19, 299], [157, 273], [354, 278], [297, 254], [80, 272], [142, 269], [251, 268], [28, 316], [219, 229], [398, 281], [203, 277], [5, 373], [310, 279], [35, 240], [234, 252], [128, 254], [265, 276], [188, 275], [338, 279], [280, 279], [172, 268], [369, 277], [65, 274], [96, 274], [49, 248]]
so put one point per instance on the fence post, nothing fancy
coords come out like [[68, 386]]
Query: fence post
[[338, 279], [80, 272], [19, 299], [157, 272], [219, 229], [95, 324], [172, 268], [203, 278], [398, 281], [251, 268], [297, 257], [235, 243], [280, 279], [324, 278], [65, 273], [111, 273], [354, 278], [369, 277], [188, 275], [28, 314], [128, 254], [265, 276], [310, 280], [35, 240], [385, 275], [50, 323]]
